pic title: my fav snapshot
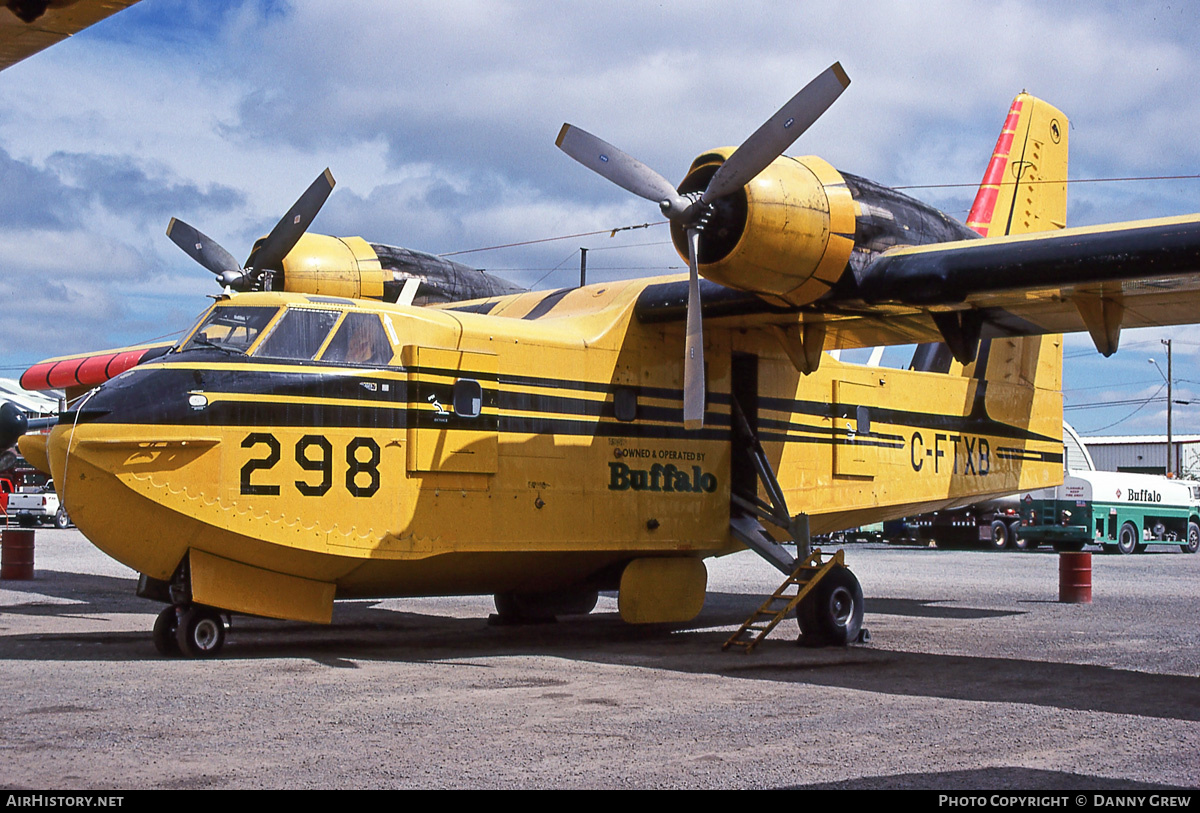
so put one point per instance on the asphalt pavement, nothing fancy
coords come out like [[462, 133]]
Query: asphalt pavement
[[976, 677]]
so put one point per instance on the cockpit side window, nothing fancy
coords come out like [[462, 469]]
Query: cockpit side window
[[298, 334], [361, 339], [231, 328]]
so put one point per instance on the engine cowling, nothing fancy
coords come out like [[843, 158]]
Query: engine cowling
[[787, 235], [332, 266]]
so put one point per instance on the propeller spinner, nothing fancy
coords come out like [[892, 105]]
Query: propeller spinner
[[270, 251], [691, 210]]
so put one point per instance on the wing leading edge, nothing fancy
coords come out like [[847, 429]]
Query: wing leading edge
[[1099, 279]]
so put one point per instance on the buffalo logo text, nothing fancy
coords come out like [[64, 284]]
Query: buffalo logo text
[[658, 477]]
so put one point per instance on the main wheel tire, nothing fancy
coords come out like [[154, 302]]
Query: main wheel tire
[[164, 633], [1193, 540], [26, 521], [201, 632], [513, 606], [1019, 542], [61, 520], [1001, 538], [832, 614], [1128, 539]]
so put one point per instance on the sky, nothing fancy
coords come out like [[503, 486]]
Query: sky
[[438, 121]]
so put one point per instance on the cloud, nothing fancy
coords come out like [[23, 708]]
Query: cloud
[[34, 197], [438, 119], [120, 185]]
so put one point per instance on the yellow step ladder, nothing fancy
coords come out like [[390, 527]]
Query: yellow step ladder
[[804, 578]]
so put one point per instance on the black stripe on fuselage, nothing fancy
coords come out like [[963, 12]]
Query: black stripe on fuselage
[[385, 399], [547, 302], [1028, 456], [484, 307]]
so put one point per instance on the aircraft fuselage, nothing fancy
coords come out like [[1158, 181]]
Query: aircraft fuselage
[[534, 448]]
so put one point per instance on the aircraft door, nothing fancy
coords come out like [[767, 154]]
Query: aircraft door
[[853, 453], [743, 475], [452, 417]]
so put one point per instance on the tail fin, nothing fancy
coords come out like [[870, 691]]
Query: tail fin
[[1024, 190], [1025, 186]]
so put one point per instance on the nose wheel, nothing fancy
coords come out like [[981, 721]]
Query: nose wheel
[[164, 632], [189, 630]]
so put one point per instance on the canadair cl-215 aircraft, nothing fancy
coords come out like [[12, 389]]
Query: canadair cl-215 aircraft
[[308, 444]]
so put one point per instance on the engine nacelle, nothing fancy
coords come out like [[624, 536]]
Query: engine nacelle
[[787, 235], [332, 266]]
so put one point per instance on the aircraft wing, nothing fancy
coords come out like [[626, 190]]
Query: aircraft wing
[[88, 370], [28, 26], [1099, 279]]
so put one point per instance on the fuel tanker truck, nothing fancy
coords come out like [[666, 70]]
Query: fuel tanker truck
[[1120, 512]]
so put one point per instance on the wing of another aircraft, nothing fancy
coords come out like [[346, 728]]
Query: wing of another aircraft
[[86, 370], [29, 26]]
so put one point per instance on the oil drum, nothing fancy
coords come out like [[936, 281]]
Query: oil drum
[[16, 554], [1075, 578]]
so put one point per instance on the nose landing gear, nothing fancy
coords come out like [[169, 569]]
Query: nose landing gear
[[184, 627], [190, 630]]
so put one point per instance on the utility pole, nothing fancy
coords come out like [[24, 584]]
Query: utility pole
[[1170, 451], [583, 273]]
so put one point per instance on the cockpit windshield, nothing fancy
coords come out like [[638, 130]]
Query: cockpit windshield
[[232, 329], [298, 334], [361, 339]]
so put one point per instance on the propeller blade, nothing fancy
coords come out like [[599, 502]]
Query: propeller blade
[[201, 248], [778, 133], [693, 358], [617, 166], [291, 227]]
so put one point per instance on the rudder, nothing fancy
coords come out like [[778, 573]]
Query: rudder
[[1025, 186], [1024, 190]]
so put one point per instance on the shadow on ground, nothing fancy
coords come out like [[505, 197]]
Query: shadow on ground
[[364, 631]]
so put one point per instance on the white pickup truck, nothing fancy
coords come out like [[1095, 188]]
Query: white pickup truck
[[37, 505]]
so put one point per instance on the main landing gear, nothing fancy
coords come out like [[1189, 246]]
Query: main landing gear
[[826, 596], [190, 630], [832, 614]]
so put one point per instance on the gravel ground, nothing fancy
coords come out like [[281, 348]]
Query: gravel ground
[[975, 678]]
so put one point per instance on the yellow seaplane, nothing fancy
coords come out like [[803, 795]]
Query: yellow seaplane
[[308, 441]]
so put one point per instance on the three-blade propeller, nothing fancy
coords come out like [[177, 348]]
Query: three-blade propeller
[[691, 210], [269, 253]]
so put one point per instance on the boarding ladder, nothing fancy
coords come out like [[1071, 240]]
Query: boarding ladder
[[803, 579]]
